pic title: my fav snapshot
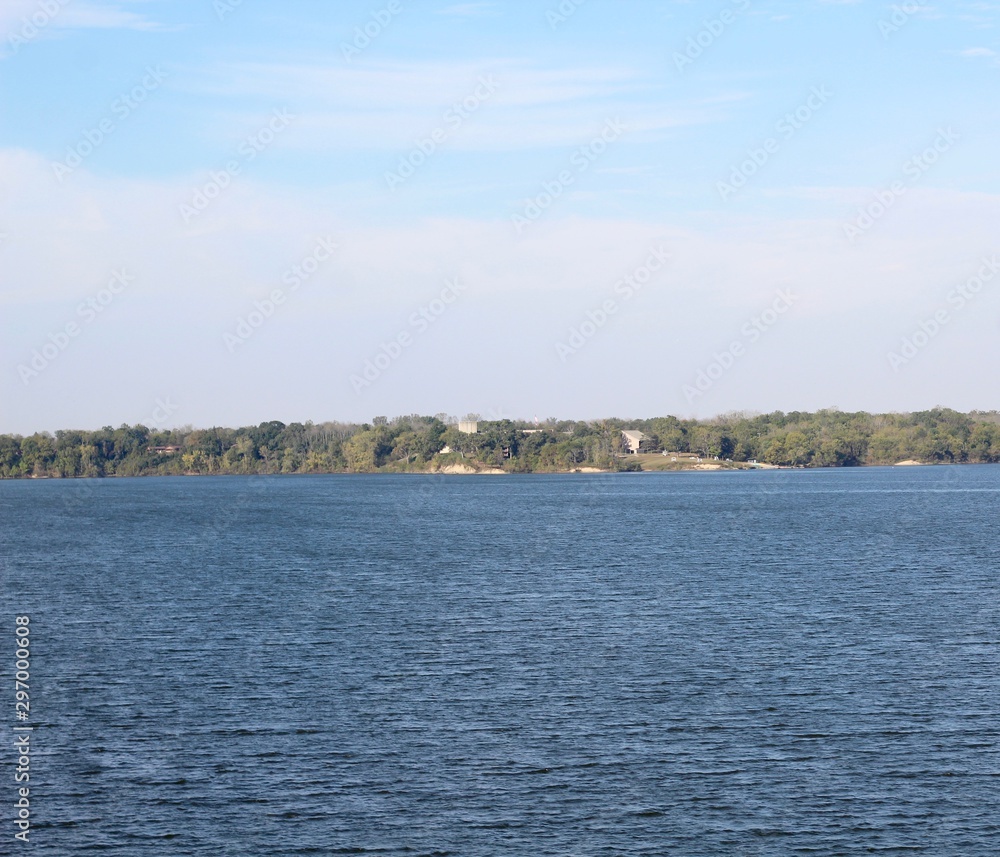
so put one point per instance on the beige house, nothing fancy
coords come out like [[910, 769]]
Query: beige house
[[633, 440], [468, 426]]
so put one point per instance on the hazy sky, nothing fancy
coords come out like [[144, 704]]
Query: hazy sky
[[218, 213]]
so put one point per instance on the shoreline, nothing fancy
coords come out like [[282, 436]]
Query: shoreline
[[452, 470], [441, 443]]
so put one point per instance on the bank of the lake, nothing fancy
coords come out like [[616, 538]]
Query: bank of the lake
[[423, 443]]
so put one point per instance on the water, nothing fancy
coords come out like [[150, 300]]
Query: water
[[637, 664]]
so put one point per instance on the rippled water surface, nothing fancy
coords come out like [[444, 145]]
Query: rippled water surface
[[637, 664]]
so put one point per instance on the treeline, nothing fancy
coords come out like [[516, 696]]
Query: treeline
[[829, 438]]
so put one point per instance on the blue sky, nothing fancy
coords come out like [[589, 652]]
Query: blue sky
[[840, 153]]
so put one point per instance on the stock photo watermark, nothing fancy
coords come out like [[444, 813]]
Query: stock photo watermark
[[32, 26], [371, 30], [711, 30], [956, 299], [22, 731], [248, 150], [789, 124], [293, 278], [914, 168], [751, 331], [626, 288], [454, 116], [580, 161], [420, 322], [163, 410], [121, 108], [88, 310], [225, 8], [900, 17], [562, 13]]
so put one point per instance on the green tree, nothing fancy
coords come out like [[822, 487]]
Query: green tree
[[360, 451]]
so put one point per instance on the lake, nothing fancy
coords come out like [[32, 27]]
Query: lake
[[747, 663]]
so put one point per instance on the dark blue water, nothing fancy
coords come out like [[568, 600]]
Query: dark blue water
[[636, 664]]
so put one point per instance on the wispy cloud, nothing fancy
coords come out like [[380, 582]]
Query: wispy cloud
[[24, 21], [103, 16], [386, 105], [70, 14]]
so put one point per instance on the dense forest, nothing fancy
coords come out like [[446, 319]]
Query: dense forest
[[829, 438]]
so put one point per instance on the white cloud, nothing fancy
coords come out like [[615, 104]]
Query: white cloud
[[105, 17], [386, 106], [68, 14], [24, 21]]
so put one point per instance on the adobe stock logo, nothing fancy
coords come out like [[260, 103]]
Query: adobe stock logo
[[883, 200], [89, 310], [751, 331], [248, 150], [563, 12], [31, 27], [295, 276], [581, 160], [364, 36], [626, 288], [900, 16], [713, 28], [122, 107], [788, 126], [420, 321], [454, 116], [957, 299], [163, 410]]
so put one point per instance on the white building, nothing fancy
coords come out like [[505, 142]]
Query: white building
[[633, 439]]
